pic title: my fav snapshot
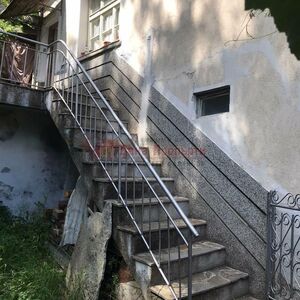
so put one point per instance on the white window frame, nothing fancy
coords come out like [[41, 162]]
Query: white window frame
[[100, 13]]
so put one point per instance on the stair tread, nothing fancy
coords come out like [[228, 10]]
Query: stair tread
[[146, 201], [97, 118], [163, 225], [112, 146], [98, 130], [83, 103], [201, 282], [131, 179], [116, 162], [246, 298], [199, 248]]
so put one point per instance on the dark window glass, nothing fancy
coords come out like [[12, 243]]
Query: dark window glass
[[213, 101]]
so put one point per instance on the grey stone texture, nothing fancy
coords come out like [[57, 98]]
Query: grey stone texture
[[89, 257], [76, 213], [21, 96], [33, 164], [220, 191]]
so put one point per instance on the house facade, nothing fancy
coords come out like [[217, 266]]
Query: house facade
[[196, 46]]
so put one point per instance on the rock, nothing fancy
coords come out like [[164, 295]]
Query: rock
[[76, 213], [89, 257]]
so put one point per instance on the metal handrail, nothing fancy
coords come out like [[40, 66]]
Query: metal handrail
[[137, 148], [51, 51]]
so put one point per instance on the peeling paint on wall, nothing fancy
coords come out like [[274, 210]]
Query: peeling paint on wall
[[33, 159], [5, 191], [5, 170]]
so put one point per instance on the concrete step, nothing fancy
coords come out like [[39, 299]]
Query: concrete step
[[87, 155], [95, 123], [246, 298], [127, 169], [86, 110], [156, 233], [206, 255], [83, 99], [104, 139], [148, 209], [131, 187], [222, 283]]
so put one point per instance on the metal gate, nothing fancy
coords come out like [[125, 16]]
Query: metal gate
[[283, 265]]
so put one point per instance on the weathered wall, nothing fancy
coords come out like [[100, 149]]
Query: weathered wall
[[198, 45], [33, 159]]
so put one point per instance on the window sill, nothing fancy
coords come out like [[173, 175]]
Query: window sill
[[100, 51]]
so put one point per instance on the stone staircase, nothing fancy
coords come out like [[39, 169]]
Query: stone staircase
[[211, 279]]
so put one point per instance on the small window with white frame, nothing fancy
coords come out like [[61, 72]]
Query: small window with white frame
[[103, 22]]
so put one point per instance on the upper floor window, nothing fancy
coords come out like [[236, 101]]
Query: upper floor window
[[104, 22]]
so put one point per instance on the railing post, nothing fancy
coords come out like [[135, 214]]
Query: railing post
[[190, 268], [119, 165], [77, 96], [270, 236]]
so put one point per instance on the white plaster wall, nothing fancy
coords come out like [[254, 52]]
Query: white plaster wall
[[198, 45], [193, 50], [33, 160]]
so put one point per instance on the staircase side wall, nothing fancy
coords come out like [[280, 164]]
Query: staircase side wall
[[220, 191], [33, 156]]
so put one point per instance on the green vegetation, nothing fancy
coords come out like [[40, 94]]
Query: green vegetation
[[27, 271], [12, 25]]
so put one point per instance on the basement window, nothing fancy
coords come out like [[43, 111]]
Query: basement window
[[213, 101]]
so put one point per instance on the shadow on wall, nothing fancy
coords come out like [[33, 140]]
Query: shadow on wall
[[286, 16]]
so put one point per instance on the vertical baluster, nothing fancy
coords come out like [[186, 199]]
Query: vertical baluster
[[113, 150], [80, 111], [2, 58], [190, 270], [11, 67], [120, 163], [25, 63], [133, 189], [72, 91], [292, 258], [159, 235], [68, 84], [150, 211], [48, 68], [106, 141], [54, 58], [280, 256], [143, 195], [58, 81], [169, 246], [271, 235], [85, 115], [76, 94], [179, 272], [36, 66], [95, 128], [126, 176], [101, 136], [63, 83], [90, 120]]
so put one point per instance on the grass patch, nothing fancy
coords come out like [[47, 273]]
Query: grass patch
[[27, 271]]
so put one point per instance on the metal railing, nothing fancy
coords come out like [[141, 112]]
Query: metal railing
[[135, 187], [283, 257]]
